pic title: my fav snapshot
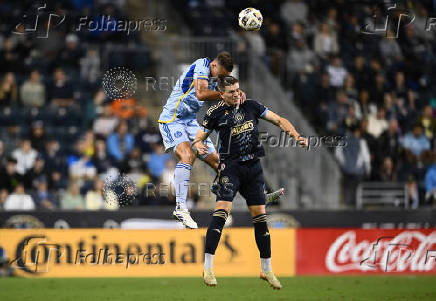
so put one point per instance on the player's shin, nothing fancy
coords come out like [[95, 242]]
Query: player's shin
[[182, 175], [263, 241], [213, 236]]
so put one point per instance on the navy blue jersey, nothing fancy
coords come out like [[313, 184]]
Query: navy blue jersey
[[237, 129]]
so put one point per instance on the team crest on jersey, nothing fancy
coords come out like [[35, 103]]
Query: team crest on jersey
[[225, 180], [239, 116], [177, 134]]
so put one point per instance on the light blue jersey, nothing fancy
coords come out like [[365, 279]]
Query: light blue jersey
[[178, 120], [183, 103]]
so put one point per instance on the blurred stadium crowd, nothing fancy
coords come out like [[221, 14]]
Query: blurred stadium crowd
[[379, 92], [59, 134]]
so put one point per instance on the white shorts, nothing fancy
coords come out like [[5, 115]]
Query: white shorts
[[182, 130]]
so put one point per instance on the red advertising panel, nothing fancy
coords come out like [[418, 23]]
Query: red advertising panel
[[365, 251]]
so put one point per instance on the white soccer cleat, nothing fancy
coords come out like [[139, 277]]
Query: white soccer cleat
[[271, 279], [185, 218], [209, 278], [273, 196]]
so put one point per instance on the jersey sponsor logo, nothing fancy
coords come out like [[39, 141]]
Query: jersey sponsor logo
[[245, 127], [177, 134]]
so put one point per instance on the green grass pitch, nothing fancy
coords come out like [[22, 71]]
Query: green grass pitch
[[297, 288]]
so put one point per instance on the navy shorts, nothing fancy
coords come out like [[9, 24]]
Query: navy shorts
[[245, 177]]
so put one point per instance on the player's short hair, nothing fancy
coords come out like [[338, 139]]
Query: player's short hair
[[226, 80], [224, 58]]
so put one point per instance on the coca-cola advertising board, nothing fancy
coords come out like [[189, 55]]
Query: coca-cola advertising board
[[365, 251]]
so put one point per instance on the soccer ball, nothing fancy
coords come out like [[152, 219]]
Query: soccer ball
[[250, 19]]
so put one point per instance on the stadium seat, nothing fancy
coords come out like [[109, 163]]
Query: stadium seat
[[381, 194]]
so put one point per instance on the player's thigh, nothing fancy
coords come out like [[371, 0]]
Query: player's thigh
[[173, 133], [228, 181], [253, 185], [192, 128], [175, 138]]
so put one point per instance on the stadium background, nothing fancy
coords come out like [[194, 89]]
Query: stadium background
[[313, 62]]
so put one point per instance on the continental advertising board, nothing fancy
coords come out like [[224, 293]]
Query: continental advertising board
[[140, 253]]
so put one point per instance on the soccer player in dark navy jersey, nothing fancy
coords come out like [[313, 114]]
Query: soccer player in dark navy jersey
[[239, 168]]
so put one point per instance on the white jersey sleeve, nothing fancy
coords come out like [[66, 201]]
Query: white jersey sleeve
[[202, 70]]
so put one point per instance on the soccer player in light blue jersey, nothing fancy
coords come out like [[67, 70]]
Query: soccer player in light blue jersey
[[178, 123]]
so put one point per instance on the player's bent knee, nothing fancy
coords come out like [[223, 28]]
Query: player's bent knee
[[257, 209], [227, 206]]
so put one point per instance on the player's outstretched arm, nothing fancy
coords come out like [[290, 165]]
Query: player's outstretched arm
[[198, 144], [285, 125]]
